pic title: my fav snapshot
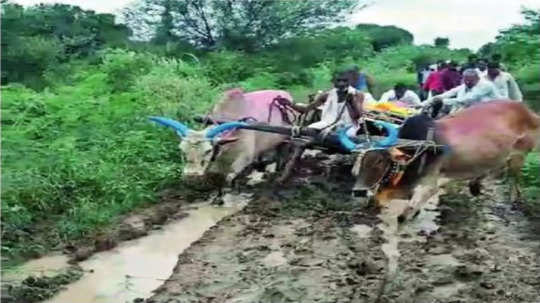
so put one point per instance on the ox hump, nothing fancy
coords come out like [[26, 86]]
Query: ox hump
[[235, 93]]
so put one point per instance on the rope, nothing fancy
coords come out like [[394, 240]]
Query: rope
[[429, 136], [366, 132], [284, 110], [295, 131]]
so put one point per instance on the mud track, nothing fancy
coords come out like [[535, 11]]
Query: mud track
[[311, 242], [314, 244]]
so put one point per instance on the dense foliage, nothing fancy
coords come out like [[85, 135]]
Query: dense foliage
[[39, 37], [77, 147]]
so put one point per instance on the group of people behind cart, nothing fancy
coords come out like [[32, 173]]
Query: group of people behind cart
[[458, 86], [444, 88], [447, 85]]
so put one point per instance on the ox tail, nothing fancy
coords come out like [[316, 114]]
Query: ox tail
[[181, 129]]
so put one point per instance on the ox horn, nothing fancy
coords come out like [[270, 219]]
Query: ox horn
[[392, 138], [180, 128], [392, 131], [215, 131]]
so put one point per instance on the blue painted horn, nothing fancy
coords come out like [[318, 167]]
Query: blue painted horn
[[345, 141], [392, 131], [215, 131], [392, 138], [180, 128]]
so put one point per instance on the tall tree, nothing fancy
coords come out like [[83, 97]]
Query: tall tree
[[385, 36], [40, 36], [442, 42], [255, 23]]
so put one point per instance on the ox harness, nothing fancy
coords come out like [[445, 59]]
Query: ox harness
[[395, 171]]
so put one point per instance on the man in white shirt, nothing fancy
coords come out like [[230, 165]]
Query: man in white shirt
[[504, 82], [341, 105], [473, 90], [481, 67], [402, 94]]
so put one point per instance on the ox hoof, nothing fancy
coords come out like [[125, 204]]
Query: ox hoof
[[217, 200], [229, 180], [362, 198], [475, 189], [406, 215], [360, 193]]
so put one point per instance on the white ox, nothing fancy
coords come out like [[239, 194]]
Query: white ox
[[225, 149]]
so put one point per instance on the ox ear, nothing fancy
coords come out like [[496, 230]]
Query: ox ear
[[524, 143], [398, 156], [226, 140]]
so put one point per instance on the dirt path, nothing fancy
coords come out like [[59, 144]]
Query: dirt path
[[313, 243], [477, 250]]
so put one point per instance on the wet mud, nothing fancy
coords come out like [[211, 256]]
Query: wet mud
[[310, 241], [314, 244]]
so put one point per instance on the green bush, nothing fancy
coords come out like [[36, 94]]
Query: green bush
[[531, 178], [89, 152], [226, 67], [122, 67], [262, 80], [27, 58], [527, 77], [177, 90]]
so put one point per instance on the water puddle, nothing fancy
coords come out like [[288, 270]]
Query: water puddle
[[448, 291], [134, 268], [275, 258], [362, 230], [255, 178], [43, 267], [443, 260]]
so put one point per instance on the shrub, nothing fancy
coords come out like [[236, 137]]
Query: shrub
[[226, 67], [122, 67], [531, 177], [26, 58]]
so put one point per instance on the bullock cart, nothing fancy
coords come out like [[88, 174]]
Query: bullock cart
[[337, 141], [332, 142]]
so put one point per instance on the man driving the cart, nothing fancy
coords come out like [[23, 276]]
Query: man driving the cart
[[341, 105]]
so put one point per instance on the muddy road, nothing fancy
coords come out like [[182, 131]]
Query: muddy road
[[313, 243]]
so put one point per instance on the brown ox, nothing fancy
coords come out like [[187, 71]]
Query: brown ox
[[479, 139]]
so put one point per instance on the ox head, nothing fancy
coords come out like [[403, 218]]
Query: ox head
[[202, 147], [373, 168], [374, 161]]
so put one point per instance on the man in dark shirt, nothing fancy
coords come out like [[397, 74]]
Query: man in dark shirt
[[471, 63], [451, 77]]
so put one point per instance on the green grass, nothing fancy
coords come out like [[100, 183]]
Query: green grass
[[530, 180], [78, 156]]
